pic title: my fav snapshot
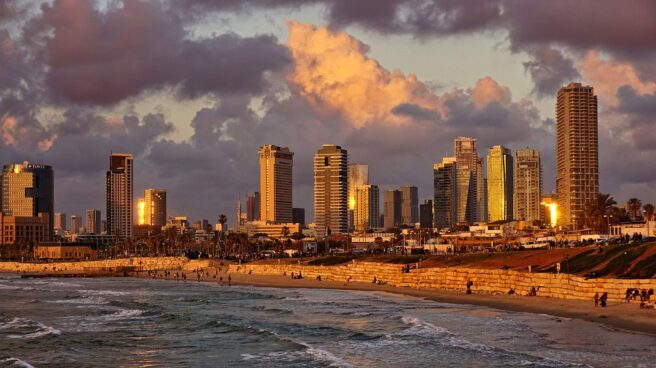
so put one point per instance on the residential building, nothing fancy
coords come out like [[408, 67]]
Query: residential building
[[500, 184], [275, 184], [60, 223], [444, 193], [392, 206], [409, 205], [470, 191], [528, 185], [577, 163], [27, 190], [330, 190], [93, 222], [152, 208], [76, 224], [367, 207], [426, 214], [24, 229], [119, 195]]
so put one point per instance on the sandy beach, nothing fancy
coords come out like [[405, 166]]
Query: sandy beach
[[618, 315]]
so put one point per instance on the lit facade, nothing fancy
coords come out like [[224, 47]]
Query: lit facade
[[59, 223], [27, 190], [24, 229], [528, 185], [500, 184], [119, 195], [275, 184], [367, 207], [76, 224], [577, 163], [330, 190], [152, 208], [358, 174]]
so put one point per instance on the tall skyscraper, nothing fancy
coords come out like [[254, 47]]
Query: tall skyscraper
[[60, 223], [426, 214], [275, 184], [392, 206], [500, 184], [367, 207], [470, 182], [76, 224], [155, 207], [528, 185], [330, 190], [358, 174], [27, 190], [253, 207], [119, 195], [93, 222], [577, 163], [409, 205], [444, 193]]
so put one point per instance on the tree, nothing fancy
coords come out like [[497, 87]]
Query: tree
[[597, 210], [634, 206], [649, 211]]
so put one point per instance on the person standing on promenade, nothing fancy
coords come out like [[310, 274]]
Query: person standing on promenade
[[229, 280], [596, 299], [603, 299]]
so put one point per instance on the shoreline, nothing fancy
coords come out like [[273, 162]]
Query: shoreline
[[617, 315]]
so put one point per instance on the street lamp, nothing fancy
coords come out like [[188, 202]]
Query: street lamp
[[608, 217]]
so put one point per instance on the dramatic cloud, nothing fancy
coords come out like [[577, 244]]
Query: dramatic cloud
[[332, 72], [105, 57], [549, 69]]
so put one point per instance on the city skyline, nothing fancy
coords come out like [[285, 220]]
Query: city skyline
[[198, 126]]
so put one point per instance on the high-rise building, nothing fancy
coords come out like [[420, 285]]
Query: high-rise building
[[358, 174], [154, 208], [76, 224], [93, 222], [426, 214], [471, 202], [409, 205], [528, 185], [60, 223], [330, 190], [367, 207], [119, 195], [253, 207], [27, 190], [275, 184], [500, 184], [298, 216], [392, 207], [444, 193], [577, 163]]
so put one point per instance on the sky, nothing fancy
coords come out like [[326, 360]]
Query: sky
[[192, 88]]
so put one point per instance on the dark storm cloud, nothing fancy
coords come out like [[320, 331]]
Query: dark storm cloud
[[549, 69], [415, 112], [104, 57]]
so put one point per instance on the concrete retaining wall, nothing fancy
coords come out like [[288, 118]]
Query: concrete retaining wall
[[485, 280]]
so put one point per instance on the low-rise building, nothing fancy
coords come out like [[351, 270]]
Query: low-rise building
[[24, 229], [271, 230], [645, 229], [64, 250]]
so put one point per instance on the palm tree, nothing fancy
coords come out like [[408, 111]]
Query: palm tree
[[634, 206], [596, 211], [648, 211]]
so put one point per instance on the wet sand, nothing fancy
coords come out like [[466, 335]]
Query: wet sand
[[623, 316]]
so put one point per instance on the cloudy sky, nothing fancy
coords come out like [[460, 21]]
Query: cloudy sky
[[192, 88]]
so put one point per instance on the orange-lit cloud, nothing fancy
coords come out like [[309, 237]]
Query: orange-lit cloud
[[607, 75], [8, 130], [487, 90], [333, 74]]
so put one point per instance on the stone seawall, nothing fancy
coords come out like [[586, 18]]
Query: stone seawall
[[484, 280], [143, 263]]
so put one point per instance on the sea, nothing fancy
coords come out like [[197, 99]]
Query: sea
[[130, 322]]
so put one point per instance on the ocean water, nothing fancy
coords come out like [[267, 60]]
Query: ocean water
[[126, 322]]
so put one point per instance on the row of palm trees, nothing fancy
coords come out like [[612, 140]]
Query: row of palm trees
[[602, 212]]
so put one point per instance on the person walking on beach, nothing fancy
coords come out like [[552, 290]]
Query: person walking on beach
[[603, 299], [229, 280], [596, 299]]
